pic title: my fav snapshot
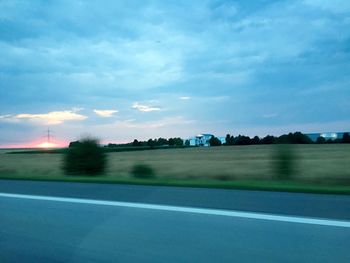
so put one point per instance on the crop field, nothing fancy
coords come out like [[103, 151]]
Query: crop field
[[321, 164]]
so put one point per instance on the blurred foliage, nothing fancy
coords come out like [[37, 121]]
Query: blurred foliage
[[285, 162], [142, 171], [85, 158]]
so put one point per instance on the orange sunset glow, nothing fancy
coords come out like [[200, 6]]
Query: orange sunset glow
[[47, 145]]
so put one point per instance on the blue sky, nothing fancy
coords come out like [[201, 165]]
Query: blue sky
[[121, 70]]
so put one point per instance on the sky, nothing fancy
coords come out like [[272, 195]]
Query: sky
[[119, 70]]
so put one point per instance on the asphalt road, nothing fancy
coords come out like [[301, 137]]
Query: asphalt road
[[53, 231]]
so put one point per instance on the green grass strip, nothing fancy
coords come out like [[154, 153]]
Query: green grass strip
[[265, 185]]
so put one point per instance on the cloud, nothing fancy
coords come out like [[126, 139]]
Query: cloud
[[236, 60], [50, 118], [105, 113], [144, 108]]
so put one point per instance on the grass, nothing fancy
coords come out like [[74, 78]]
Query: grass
[[318, 168]]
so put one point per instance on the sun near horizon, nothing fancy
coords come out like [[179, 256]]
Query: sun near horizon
[[47, 145]]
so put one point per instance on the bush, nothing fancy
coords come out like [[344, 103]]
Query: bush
[[85, 158], [285, 162], [142, 171]]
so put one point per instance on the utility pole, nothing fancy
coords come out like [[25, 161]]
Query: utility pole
[[48, 135]]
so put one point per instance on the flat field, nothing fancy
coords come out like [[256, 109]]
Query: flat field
[[317, 164]]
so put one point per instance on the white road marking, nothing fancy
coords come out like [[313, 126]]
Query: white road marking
[[260, 216]]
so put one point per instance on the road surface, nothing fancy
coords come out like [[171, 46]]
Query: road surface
[[76, 222]]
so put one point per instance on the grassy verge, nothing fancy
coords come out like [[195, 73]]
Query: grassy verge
[[264, 185]]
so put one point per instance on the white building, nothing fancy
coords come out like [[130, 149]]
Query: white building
[[201, 140], [326, 135], [222, 139]]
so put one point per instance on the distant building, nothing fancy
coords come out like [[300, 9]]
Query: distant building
[[201, 140], [222, 139], [326, 135], [204, 140], [192, 141]]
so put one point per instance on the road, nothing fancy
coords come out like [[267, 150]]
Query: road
[[76, 222]]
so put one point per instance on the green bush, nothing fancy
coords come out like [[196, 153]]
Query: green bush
[[142, 171], [85, 158], [285, 161]]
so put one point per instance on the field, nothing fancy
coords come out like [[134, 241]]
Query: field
[[314, 165]]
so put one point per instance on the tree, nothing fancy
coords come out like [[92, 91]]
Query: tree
[[269, 139], [321, 140], [85, 158], [135, 143], [346, 138], [284, 139], [171, 142], [255, 140], [242, 140], [214, 141], [151, 143], [293, 138], [162, 142], [301, 138], [329, 141], [176, 141], [229, 140]]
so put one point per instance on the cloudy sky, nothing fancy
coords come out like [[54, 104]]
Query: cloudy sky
[[121, 70]]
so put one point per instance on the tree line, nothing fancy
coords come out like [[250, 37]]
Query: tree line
[[290, 138], [160, 142]]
